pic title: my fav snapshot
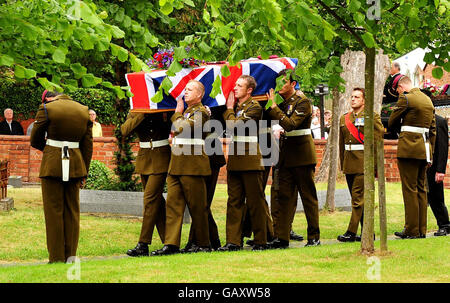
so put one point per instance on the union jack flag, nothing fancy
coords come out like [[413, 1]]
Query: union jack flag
[[145, 85]]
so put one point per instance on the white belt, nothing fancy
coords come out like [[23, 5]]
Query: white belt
[[351, 147], [247, 139], [298, 132], [414, 129], [64, 145], [61, 144], [154, 144], [423, 131], [188, 141]]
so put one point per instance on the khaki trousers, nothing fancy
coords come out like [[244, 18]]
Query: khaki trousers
[[291, 179], [154, 207], [355, 184], [211, 182], [190, 191], [62, 217], [245, 190], [413, 177]]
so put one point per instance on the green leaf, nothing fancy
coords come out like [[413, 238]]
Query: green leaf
[[19, 72], [107, 84], [78, 70], [354, 6], [437, 72], [6, 60], [189, 2], [204, 47], [216, 87], [88, 15], [447, 66], [157, 97], [429, 58], [368, 40], [166, 85], [174, 68], [103, 44], [119, 52], [119, 92], [206, 17], [126, 22], [90, 80], [117, 32], [30, 73], [359, 18], [179, 53], [49, 85], [59, 56], [167, 8], [225, 71], [87, 43]]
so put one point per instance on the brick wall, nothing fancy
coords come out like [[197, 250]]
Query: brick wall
[[25, 161], [427, 75]]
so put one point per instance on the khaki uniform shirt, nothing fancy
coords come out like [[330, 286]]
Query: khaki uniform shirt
[[149, 127], [64, 120], [414, 109], [190, 160], [249, 158], [295, 113], [352, 161]]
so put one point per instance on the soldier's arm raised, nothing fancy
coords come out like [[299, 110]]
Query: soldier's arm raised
[[301, 112], [37, 137], [399, 110], [133, 121]]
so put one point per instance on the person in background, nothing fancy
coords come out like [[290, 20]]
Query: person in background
[[315, 123], [10, 126], [97, 127]]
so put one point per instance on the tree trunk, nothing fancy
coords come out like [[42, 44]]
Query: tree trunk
[[367, 245], [382, 195], [332, 147]]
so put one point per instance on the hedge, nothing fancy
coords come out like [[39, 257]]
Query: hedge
[[24, 99]]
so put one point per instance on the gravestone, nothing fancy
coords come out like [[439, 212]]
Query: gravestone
[[15, 181], [6, 204]]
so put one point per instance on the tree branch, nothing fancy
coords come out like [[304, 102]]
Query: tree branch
[[342, 21]]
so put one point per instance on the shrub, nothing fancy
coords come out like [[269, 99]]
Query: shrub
[[100, 177]]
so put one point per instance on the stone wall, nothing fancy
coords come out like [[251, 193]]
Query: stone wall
[[25, 161]]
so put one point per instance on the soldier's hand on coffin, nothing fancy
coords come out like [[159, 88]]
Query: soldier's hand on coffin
[[180, 105], [230, 101]]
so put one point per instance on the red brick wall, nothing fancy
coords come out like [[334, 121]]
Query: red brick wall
[[427, 74], [25, 161]]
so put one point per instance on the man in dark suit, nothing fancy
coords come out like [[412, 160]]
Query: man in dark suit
[[9, 126], [435, 176], [390, 94], [63, 131]]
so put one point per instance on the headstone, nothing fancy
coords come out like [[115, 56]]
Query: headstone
[[6, 204], [15, 181]]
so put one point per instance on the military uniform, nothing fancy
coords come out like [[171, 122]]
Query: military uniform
[[152, 163], [188, 168], [245, 176], [351, 154], [296, 167], [414, 111], [69, 135]]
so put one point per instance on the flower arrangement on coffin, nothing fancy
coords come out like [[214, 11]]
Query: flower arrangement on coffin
[[433, 89], [387, 109], [163, 58]]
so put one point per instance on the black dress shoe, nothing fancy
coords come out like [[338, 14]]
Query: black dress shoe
[[401, 234], [295, 237], [140, 250], [422, 236], [188, 247], [229, 247], [358, 238], [260, 247], [250, 242], [196, 249], [215, 244], [441, 232], [279, 243], [313, 242], [166, 250], [347, 237]]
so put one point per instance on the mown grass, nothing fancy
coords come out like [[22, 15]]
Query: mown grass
[[22, 235]]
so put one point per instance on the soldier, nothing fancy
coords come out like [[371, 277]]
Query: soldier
[[351, 152], [152, 163], [189, 165], [390, 94], [216, 161], [244, 168], [63, 131], [414, 112], [295, 114]]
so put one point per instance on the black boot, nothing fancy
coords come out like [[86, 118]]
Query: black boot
[[230, 247], [166, 250], [140, 250], [296, 237], [312, 242], [279, 243]]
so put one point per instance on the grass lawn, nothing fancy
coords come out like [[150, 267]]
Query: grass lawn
[[104, 240]]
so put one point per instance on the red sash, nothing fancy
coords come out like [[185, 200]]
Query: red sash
[[353, 130]]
